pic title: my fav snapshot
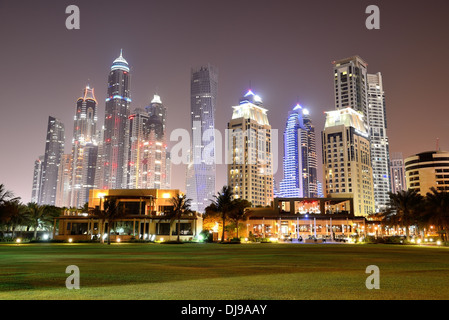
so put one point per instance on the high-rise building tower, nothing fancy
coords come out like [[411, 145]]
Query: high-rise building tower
[[64, 182], [203, 99], [148, 148], [116, 135], [347, 159], [99, 170], [350, 84], [250, 171], [84, 148], [398, 181], [54, 149], [300, 157], [380, 154], [355, 88], [37, 180]]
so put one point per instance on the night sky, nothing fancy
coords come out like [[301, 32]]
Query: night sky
[[283, 48]]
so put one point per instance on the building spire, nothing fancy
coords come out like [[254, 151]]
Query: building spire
[[120, 63]]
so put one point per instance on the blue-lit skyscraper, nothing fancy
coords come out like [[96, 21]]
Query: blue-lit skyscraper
[[200, 183], [300, 158]]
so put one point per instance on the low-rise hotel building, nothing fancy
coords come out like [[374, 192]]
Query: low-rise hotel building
[[426, 170], [147, 215]]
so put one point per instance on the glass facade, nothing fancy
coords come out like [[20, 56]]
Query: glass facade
[[300, 158], [200, 182]]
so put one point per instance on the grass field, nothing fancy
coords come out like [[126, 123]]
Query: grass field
[[223, 271]]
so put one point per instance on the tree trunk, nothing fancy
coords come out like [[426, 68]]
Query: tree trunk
[[223, 231], [35, 232], [109, 232], [237, 225], [101, 225], [179, 228]]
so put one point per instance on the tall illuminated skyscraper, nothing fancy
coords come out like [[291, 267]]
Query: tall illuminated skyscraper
[[347, 159], [300, 158], [84, 148], [148, 148], [350, 84], [380, 153], [54, 149], [356, 89], [201, 171], [64, 181], [37, 180], [249, 150], [398, 181], [116, 135]]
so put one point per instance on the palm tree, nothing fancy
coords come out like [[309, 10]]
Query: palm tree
[[101, 215], [51, 212], [113, 211], [222, 203], [16, 215], [404, 208], [84, 208], [180, 205], [239, 211], [6, 195], [36, 214], [438, 209]]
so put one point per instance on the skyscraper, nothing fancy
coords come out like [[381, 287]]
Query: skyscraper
[[347, 159], [380, 154], [398, 181], [300, 158], [203, 98], [64, 182], [148, 148], [350, 84], [250, 171], [84, 148], [37, 180], [356, 89], [54, 149], [116, 135]]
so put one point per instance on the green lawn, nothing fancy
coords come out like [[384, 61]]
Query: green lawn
[[223, 271]]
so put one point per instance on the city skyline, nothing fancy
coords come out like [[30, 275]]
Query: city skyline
[[292, 75]]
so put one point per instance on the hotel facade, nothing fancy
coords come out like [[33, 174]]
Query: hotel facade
[[147, 214], [347, 160], [250, 172], [426, 170]]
